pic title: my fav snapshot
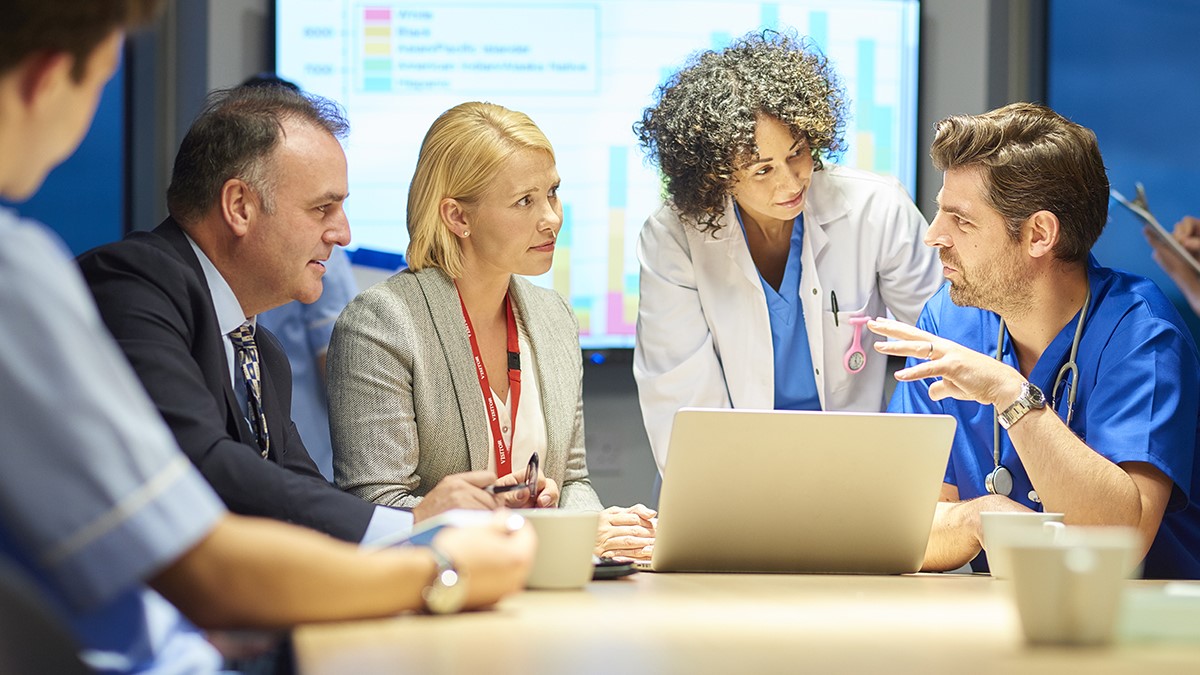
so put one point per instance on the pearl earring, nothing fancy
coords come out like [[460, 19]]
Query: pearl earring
[[466, 233]]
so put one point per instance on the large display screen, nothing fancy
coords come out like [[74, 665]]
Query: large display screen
[[584, 70]]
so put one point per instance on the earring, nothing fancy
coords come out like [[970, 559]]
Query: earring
[[466, 233]]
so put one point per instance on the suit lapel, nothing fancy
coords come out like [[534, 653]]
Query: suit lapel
[[236, 424], [445, 310]]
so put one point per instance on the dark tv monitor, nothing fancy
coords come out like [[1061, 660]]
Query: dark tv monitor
[[583, 70]]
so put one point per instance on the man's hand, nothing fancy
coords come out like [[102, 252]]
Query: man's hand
[[626, 532], [494, 560], [957, 533], [965, 373], [457, 491]]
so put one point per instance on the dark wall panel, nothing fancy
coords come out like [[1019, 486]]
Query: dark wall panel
[[83, 199], [1131, 72]]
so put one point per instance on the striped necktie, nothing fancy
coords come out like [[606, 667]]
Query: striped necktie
[[247, 361]]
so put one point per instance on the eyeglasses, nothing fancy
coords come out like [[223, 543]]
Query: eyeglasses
[[531, 479]]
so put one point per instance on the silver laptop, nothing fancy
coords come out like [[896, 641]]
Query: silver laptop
[[785, 491]]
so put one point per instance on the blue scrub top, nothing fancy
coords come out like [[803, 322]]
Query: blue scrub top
[[1138, 400], [795, 384]]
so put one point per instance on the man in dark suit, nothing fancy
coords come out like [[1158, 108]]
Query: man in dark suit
[[256, 207]]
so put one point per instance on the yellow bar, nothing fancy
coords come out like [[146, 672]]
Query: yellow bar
[[866, 150], [562, 271], [616, 249], [631, 307]]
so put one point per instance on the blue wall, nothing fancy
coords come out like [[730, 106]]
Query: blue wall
[[1131, 72], [84, 199]]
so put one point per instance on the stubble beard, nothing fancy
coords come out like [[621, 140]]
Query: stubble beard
[[1000, 287]]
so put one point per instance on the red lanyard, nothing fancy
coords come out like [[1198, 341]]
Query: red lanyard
[[503, 454]]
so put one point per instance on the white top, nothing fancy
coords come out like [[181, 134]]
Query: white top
[[531, 423]]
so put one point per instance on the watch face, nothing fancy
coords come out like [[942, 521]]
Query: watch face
[[1036, 398], [447, 594], [856, 361]]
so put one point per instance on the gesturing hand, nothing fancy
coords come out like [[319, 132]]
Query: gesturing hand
[[965, 373]]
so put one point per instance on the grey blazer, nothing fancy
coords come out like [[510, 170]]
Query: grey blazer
[[404, 402]]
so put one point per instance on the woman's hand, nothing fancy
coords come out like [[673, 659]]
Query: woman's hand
[[626, 532], [546, 496]]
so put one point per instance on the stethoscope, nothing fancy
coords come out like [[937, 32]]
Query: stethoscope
[[1000, 480]]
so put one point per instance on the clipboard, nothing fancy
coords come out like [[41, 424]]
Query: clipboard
[[1140, 209]]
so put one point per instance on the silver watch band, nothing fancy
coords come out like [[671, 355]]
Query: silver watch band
[[1031, 398]]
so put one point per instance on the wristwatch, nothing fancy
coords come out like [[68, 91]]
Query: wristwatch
[[1031, 398], [447, 593]]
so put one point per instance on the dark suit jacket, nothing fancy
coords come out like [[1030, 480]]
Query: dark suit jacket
[[152, 293]]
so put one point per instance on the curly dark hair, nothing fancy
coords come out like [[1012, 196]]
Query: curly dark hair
[[700, 130]]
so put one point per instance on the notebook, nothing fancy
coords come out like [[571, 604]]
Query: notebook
[[786, 491]]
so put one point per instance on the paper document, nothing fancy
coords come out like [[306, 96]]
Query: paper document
[[423, 532], [1139, 208]]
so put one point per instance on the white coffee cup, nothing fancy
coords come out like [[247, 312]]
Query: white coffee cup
[[1003, 529], [564, 549], [1069, 591]]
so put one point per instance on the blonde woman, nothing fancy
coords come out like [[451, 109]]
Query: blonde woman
[[459, 363]]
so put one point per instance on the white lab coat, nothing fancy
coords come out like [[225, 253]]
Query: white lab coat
[[703, 330]]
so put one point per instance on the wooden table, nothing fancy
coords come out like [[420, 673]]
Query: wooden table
[[708, 623]]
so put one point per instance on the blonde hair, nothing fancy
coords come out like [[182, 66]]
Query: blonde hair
[[460, 157]]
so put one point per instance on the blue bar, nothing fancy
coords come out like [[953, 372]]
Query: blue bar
[[618, 180], [864, 106], [665, 74], [885, 151], [818, 30], [377, 84], [769, 17], [564, 233]]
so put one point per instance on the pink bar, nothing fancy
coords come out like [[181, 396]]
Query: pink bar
[[377, 14], [616, 316]]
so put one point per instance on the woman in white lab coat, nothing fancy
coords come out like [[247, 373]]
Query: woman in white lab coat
[[760, 267]]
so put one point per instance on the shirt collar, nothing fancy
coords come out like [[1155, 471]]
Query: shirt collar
[[225, 303]]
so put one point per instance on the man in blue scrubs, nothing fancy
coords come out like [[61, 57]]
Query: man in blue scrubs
[[1024, 198], [110, 524]]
